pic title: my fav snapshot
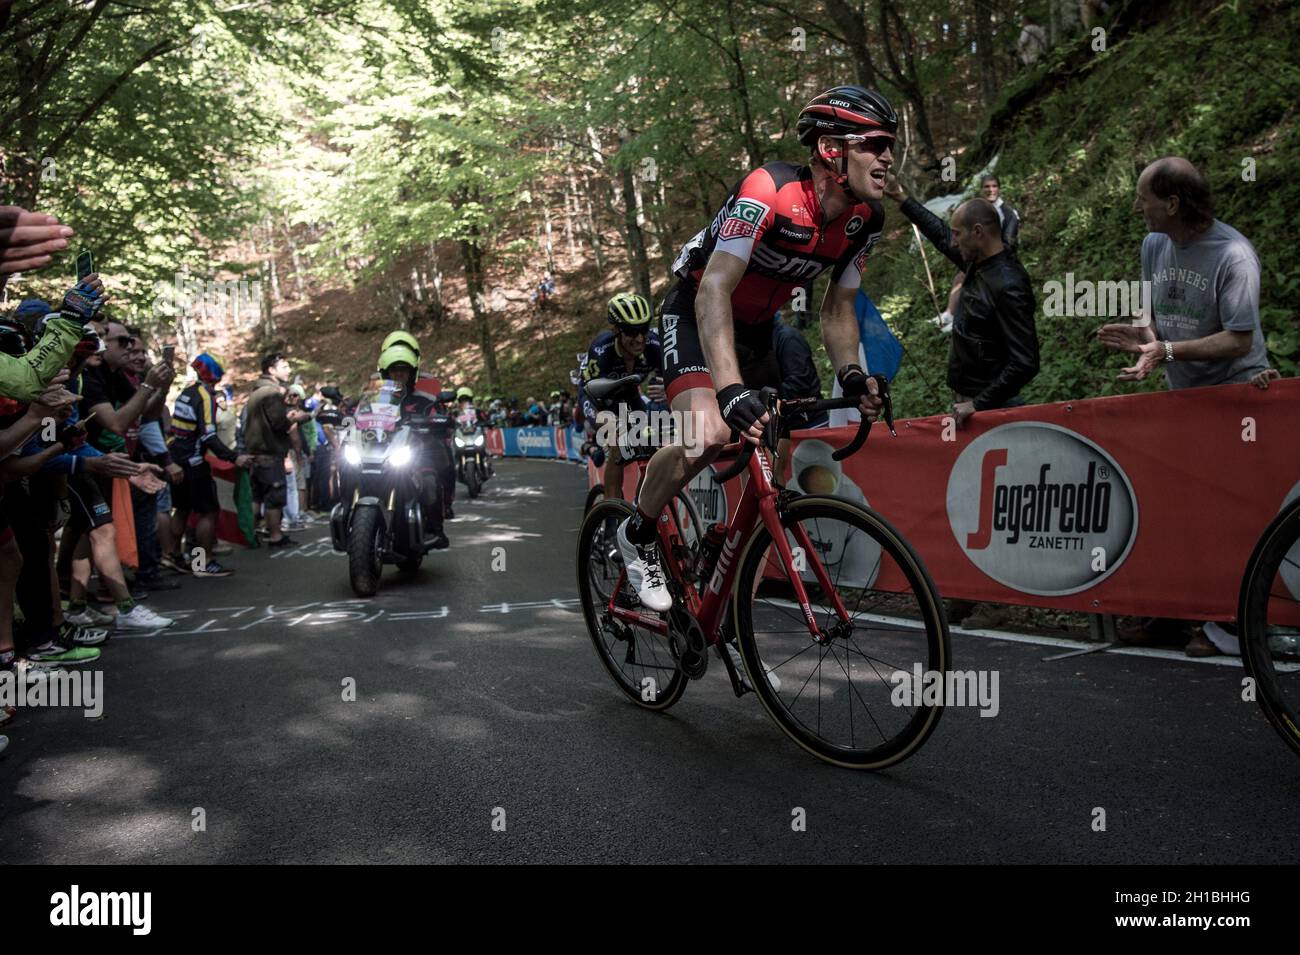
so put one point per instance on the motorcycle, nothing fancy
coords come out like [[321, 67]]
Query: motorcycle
[[473, 463], [379, 518]]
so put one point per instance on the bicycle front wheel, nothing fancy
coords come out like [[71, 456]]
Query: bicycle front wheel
[[1268, 614], [846, 698]]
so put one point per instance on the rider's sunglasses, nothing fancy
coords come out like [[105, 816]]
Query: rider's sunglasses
[[875, 144], [631, 332]]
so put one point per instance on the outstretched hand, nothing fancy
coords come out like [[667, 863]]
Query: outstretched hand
[[29, 239], [1151, 358], [893, 188], [1121, 337]]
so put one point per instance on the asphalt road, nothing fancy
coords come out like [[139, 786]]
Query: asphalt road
[[480, 699]]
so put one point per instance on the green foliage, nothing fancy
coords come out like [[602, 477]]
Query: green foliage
[[1070, 166]]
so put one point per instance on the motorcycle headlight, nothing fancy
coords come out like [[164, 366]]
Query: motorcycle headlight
[[478, 440], [352, 455], [460, 442], [400, 456]]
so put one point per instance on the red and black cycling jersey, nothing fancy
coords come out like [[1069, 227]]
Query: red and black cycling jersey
[[773, 221]]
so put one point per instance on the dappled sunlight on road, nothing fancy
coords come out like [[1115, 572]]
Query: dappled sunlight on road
[[103, 776]]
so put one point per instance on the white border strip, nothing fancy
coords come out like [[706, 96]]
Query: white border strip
[[1221, 660]]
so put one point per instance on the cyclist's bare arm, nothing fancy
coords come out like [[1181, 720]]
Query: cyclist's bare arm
[[839, 322], [840, 336], [713, 314]]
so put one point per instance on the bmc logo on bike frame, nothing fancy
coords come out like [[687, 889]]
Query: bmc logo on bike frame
[[1041, 509], [724, 562]]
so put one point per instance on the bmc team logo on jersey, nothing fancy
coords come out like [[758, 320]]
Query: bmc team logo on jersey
[[745, 218], [1041, 509]]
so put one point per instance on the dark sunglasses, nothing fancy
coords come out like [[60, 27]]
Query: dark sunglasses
[[875, 145], [631, 332]]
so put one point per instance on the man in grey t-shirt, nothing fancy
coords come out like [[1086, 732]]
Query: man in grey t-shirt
[[1204, 279]]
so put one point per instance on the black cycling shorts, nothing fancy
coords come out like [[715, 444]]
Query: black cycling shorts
[[684, 363], [269, 484], [89, 506], [197, 491]]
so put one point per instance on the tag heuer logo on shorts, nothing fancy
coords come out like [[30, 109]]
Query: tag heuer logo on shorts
[[853, 225], [746, 216]]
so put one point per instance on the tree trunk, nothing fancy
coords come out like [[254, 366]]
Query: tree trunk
[[900, 58], [570, 213], [636, 257], [741, 91], [435, 296], [472, 257], [851, 24], [268, 308], [593, 234], [982, 14]]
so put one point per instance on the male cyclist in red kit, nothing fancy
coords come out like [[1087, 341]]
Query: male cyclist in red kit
[[780, 228]]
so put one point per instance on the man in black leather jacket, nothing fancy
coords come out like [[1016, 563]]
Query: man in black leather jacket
[[994, 342]]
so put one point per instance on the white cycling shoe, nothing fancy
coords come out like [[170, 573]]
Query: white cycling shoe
[[644, 573]]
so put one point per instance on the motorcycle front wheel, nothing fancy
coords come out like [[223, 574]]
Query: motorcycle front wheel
[[365, 551]]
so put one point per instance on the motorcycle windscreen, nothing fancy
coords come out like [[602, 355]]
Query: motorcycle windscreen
[[380, 409]]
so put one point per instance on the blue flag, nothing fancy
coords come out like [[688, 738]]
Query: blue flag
[[883, 351]]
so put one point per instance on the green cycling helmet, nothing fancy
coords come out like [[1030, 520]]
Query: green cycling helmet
[[630, 309], [464, 392]]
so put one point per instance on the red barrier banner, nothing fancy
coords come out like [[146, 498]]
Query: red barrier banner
[[1138, 505], [1142, 504]]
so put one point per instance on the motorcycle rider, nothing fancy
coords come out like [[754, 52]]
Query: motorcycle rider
[[399, 362], [465, 405], [466, 413]]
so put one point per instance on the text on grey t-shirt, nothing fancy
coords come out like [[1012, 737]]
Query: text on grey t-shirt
[[1201, 288]]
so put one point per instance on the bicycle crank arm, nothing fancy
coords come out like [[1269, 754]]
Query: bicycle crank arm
[[686, 640]]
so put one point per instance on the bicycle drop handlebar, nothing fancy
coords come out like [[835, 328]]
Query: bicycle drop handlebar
[[776, 407]]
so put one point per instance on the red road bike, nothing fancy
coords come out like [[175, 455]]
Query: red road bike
[[832, 611]]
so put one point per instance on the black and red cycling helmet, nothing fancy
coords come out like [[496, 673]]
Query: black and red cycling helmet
[[844, 111]]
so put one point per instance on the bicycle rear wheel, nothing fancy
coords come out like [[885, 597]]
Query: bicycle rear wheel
[[841, 699], [639, 660], [1268, 614]]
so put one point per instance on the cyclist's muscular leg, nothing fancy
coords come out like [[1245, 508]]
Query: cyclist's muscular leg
[[613, 477], [668, 472], [672, 468], [606, 438]]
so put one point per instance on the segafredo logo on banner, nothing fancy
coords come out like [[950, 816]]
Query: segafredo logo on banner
[[1041, 509]]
